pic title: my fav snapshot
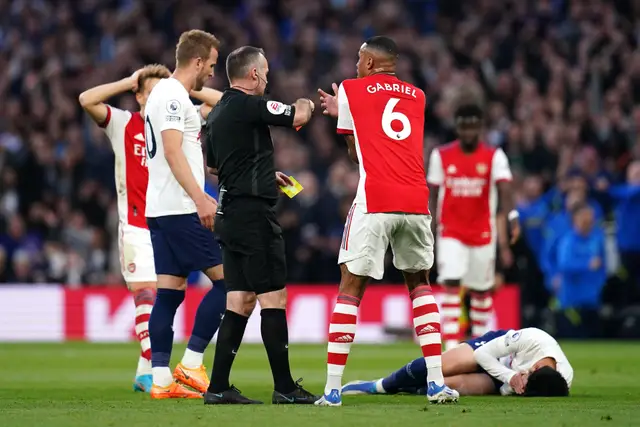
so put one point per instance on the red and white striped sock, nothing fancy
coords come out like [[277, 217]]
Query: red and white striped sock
[[342, 331], [480, 311], [451, 312], [426, 321], [144, 299]]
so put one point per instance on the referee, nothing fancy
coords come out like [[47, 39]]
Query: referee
[[240, 151]]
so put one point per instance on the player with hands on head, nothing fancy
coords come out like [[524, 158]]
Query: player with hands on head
[[526, 362], [382, 120]]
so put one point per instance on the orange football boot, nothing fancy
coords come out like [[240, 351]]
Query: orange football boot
[[196, 378], [173, 391]]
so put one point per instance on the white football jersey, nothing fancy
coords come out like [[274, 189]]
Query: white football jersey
[[519, 350], [169, 107]]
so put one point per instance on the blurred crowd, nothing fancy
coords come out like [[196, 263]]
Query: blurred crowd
[[560, 81]]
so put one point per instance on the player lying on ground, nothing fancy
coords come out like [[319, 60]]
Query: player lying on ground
[[526, 362], [466, 177], [125, 130], [382, 119]]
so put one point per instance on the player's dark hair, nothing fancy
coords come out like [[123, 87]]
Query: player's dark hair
[[468, 111], [546, 382], [383, 44], [241, 60]]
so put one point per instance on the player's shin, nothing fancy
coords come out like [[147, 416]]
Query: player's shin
[[207, 321], [229, 339], [426, 321], [143, 299], [451, 312], [342, 330], [480, 310], [161, 333]]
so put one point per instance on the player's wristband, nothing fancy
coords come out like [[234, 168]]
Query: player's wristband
[[514, 214]]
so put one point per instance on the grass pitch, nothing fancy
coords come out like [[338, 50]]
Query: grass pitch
[[89, 385]]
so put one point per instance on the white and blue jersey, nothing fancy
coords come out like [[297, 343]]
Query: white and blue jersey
[[502, 354]]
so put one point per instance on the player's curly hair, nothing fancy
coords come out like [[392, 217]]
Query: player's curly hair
[[152, 71], [195, 44]]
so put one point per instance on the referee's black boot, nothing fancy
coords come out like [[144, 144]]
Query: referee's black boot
[[299, 396], [228, 397]]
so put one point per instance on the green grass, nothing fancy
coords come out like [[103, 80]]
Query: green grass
[[89, 385]]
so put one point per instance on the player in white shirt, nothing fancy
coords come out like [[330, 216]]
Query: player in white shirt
[[125, 130], [179, 213], [527, 362]]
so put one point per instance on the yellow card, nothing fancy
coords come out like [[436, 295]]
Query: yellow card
[[292, 190]]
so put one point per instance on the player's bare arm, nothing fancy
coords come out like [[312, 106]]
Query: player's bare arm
[[351, 146], [209, 97], [507, 204], [304, 109], [180, 168], [93, 100], [433, 206]]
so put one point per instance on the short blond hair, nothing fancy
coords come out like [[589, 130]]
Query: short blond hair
[[195, 44], [152, 71]]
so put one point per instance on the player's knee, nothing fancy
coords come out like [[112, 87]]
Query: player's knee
[[242, 303], [451, 282], [215, 273], [275, 299], [166, 281], [413, 279], [352, 284], [141, 286]]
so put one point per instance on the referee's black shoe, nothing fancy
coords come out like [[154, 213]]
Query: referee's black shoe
[[299, 396], [228, 397]]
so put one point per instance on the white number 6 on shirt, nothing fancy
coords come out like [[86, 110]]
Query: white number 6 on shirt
[[388, 116]]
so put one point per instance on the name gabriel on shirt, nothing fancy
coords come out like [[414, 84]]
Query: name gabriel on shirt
[[392, 87]]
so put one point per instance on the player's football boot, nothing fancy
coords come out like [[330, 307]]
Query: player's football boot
[[143, 383], [299, 396], [331, 399], [233, 396], [196, 378], [173, 391], [441, 394], [360, 387]]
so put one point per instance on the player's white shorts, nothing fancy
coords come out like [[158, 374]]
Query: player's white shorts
[[136, 254], [367, 236], [474, 266]]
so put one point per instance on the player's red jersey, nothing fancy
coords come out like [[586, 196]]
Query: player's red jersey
[[468, 194], [126, 133], [386, 117]]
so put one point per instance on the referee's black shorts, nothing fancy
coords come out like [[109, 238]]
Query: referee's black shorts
[[253, 255]]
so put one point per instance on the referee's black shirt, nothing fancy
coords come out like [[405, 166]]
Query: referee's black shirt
[[239, 146]]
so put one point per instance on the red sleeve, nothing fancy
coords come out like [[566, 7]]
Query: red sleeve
[[344, 131], [107, 119]]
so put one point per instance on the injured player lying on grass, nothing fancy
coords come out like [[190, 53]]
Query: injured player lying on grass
[[527, 362]]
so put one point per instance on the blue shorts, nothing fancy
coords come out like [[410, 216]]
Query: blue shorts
[[182, 245], [482, 340]]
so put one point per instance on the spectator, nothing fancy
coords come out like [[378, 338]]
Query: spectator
[[581, 268], [627, 213]]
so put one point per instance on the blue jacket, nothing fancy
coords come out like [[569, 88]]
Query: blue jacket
[[627, 213], [581, 286], [533, 217]]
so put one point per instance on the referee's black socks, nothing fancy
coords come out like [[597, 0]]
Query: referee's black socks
[[229, 338], [275, 335]]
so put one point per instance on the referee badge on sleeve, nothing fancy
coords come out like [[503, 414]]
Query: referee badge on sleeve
[[276, 108]]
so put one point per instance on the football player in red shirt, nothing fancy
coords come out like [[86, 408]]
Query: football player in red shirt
[[466, 177], [382, 119]]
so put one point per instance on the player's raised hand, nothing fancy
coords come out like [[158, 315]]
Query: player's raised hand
[[134, 80], [207, 211], [328, 102], [283, 180]]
